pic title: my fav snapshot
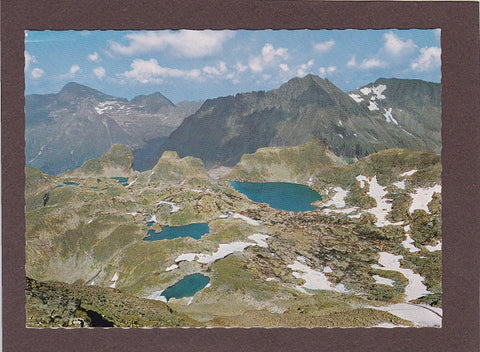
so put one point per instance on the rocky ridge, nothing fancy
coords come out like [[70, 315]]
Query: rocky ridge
[[79, 123], [373, 118]]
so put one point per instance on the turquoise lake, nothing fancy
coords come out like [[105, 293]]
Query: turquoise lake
[[279, 195], [122, 180], [186, 287], [196, 231]]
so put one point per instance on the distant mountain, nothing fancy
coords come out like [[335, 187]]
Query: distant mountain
[[80, 123], [389, 113]]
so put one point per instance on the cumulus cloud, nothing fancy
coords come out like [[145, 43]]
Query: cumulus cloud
[[302, 70], [186, 43], [429, 58], [216, 71], [324, 46], [29, 59], [371, 63], [284, 67], [99, 72], [323, 71], [240, 67], [37, 73], [269, 53], [352, 62], [74, 69], [393, 45], [268, 56], [149, 71], [93, 57]]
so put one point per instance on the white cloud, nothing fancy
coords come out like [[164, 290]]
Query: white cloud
[[269, 53], [302, 70], [149, 71], [284, 67], [99, 72], [429, 58], [324, 70], [352, 62], [37, 73], [240, 67], [255, 64], [29, 59], [395, 46], [371, 63], [187, 43], [74, 69], [217, 71], [268, 56], [324, 46], [93, 57]]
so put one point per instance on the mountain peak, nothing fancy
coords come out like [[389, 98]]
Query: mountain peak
[[74, 90], [152, 102]]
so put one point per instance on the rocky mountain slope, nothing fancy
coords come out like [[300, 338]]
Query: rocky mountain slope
[[79, 123], [57, 304], [378, 116], [371, 244]]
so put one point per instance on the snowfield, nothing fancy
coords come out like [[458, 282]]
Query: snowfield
[[415, 287], [224, 249], [422, 196]]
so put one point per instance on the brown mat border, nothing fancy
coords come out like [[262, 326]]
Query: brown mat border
[[459, 22]]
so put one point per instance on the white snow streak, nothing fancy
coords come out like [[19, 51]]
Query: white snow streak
[[225, 249], [247, 219], [415, 287]]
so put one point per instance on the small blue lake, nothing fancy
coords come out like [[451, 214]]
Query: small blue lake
[[186, 287], [279, 195], [122, 180], [71, 184], [196, 231]]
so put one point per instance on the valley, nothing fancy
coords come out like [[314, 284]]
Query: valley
[[366, 252]]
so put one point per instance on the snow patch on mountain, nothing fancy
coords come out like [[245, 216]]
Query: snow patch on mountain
[[389, 117], [373, 106], [408, 173], [383, 280], [409, 242], [105, 106], [437, 247], [422, 196], [415, 287], [366, 90], [356, 97], [225, 249], [378, 90]]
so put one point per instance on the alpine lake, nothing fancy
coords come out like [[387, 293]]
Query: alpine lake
[[279, 195]]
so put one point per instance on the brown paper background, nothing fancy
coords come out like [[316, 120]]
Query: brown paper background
[[459, 22]]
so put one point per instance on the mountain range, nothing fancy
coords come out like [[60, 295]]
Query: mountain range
[[389, 113], [79, 123]]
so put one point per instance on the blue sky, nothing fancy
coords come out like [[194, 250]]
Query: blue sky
[[195, 65]]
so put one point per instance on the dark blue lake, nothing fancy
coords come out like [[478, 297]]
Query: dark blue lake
[[279, 195], [186, 287], [170, 232]]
